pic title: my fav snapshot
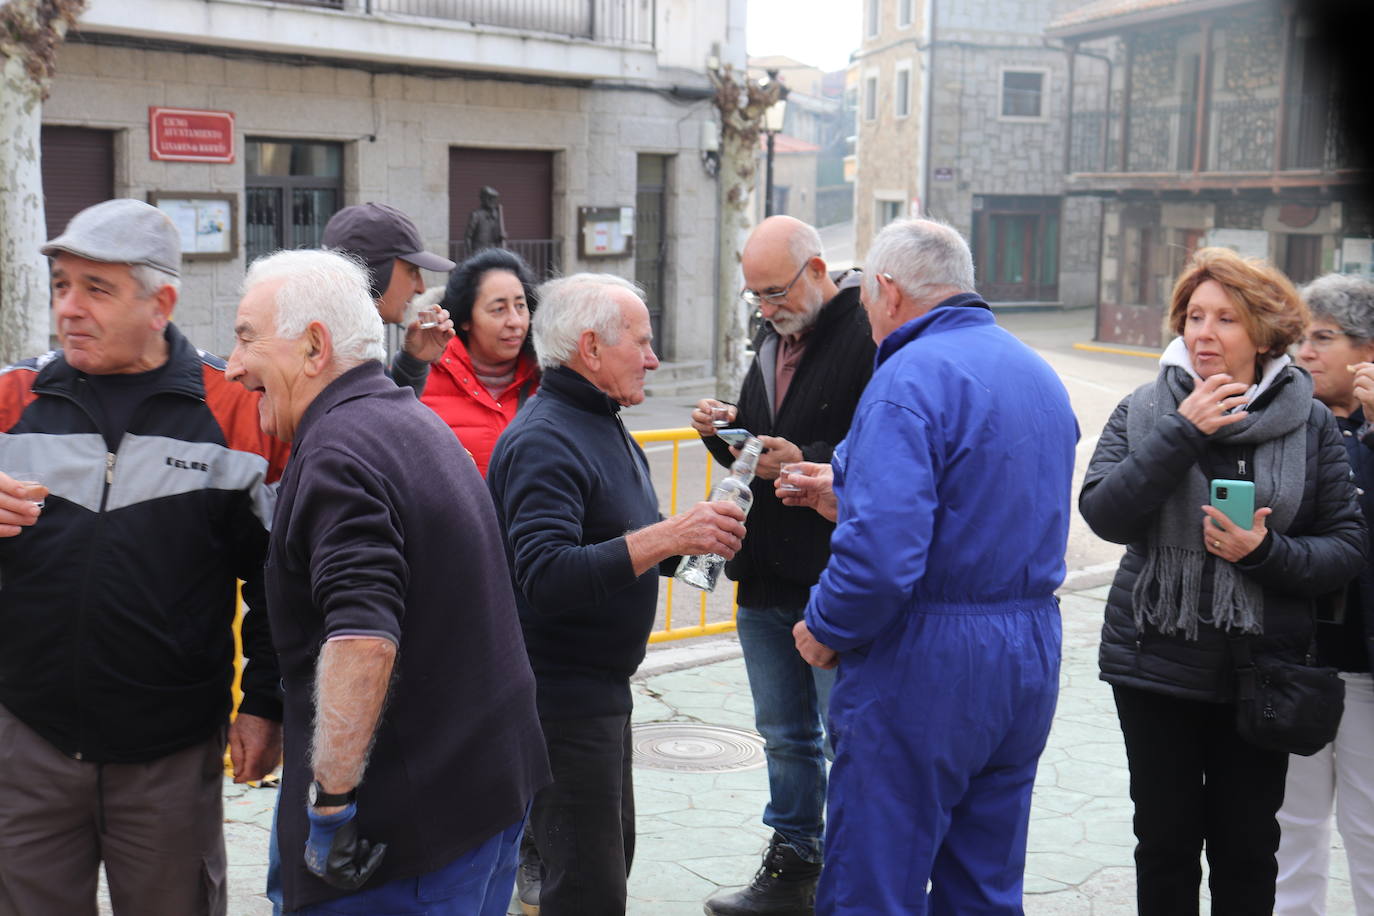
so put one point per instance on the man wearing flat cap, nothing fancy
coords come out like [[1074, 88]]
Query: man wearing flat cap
[[386, 240], [118, 595]]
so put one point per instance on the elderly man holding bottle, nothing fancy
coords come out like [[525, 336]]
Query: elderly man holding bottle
[[586, 545]]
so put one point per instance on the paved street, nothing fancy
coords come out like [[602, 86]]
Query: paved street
[[700, 831]]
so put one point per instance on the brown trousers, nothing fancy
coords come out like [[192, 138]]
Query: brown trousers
[[157, 826]]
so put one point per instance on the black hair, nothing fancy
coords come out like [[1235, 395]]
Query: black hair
[[460, 295]]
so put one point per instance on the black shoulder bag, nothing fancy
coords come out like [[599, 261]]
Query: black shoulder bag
[[1294, 707], [1286, 706]]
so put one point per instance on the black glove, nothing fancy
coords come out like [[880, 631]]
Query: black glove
[[335, 854]]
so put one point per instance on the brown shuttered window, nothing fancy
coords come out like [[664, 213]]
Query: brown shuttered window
[[524, 179], [78, 171]]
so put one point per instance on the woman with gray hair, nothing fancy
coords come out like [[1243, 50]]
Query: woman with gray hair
[[1337, 349]]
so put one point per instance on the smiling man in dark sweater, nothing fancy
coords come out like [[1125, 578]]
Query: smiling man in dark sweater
[[586, 542], [412, 744], [814, 357]]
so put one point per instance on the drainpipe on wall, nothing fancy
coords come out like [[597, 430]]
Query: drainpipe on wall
[[924, 158]]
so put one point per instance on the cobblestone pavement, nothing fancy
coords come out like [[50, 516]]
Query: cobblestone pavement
[[701, 831]]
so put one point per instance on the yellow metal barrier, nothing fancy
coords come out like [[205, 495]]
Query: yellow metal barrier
[[669, 632], [701, 627]]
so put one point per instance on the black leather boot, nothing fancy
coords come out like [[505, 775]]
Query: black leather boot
[[784, 886]]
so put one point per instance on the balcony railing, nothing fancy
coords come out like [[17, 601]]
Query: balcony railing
[[1241, 136], [543, 255], [621, 22]]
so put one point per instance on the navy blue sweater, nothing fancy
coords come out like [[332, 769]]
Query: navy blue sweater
[[383, 528], [569, 483]]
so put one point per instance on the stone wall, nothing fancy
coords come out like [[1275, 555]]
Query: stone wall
[[595, 135]]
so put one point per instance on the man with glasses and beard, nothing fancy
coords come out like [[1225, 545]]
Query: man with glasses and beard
[[814, 355]]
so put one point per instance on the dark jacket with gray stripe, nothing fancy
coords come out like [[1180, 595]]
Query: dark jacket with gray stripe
[[117, 605], [1321, 550]]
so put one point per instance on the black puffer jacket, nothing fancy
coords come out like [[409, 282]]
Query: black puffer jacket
[[1321, 551], [1349, 643]]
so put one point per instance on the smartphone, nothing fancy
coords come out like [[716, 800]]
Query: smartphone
[[734, 437], [1235, 498]]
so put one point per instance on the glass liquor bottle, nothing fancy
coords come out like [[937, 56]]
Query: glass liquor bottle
[[703, 571]]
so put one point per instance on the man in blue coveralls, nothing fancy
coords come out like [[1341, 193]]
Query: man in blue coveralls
[[953, 496]]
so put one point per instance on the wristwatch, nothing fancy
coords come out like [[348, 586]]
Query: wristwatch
[[317, 797]]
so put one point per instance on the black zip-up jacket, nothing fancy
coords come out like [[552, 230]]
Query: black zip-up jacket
[[1321, 550], [117, 604], [788, 546]]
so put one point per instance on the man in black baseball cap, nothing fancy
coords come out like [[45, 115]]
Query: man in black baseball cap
[[386, 240]]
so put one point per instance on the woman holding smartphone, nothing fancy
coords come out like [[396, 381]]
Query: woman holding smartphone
[[1338, 350], [1227, 404]]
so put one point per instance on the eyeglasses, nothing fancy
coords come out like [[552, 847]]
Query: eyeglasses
[[1322, 339], [755, 298]]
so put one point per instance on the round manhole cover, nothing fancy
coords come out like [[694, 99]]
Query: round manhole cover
[[690, 748]]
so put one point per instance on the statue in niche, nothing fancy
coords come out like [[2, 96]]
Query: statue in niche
[[486, 224]]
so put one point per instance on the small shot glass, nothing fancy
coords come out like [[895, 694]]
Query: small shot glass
[[429, 317], [786, 472], [32, 480], [722, 416]]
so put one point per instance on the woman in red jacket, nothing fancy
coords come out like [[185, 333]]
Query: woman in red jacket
[[489, 369]]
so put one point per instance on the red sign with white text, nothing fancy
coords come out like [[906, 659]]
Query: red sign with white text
[[191, 135]]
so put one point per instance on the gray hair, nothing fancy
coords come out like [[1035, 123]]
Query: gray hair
[[922, 256], [1346, 300], [804, 244], [570, 305], [150, 279], [325, 286]]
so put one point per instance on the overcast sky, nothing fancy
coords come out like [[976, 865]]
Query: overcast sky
[[816, 32]]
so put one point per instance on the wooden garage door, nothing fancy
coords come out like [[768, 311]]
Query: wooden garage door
[[78, 171], [524, 179]]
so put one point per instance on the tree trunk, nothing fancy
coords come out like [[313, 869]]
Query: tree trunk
[[741, 105], [23, 271], [30, 33]]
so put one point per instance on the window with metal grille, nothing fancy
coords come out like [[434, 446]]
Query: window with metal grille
[[291, 189]]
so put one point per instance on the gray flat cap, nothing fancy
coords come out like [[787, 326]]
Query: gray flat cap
[[122, 231]]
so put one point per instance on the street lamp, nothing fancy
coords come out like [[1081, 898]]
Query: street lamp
[[774, 116]]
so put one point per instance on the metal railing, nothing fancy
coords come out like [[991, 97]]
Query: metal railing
[[619, 22], [545, 256], [709, 604], [1241, 136], [713, 614]]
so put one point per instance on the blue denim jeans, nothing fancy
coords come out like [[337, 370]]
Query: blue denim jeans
[[459, 886], [477, 883], [790, 703]]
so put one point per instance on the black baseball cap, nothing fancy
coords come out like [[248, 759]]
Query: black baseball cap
[[377, 233]]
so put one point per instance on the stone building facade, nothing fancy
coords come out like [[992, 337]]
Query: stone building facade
[[337, 102], [983, 146], [1219, 128]]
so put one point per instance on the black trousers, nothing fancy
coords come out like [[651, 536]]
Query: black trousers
[[1194, 783], [584, 822]]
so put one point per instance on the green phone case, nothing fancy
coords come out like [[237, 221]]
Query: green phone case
[[1236, 498]]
